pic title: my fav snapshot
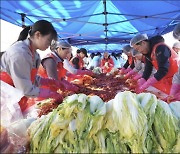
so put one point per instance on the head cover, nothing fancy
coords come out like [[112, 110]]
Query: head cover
[[84, 51], [176, 32], [176, 45], [134, 52], [63, 44], [56, 44], [127, 48], [138, 38]]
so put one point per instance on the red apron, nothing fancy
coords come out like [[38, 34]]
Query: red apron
[[110, 65], [166, 82], [4, 76], [23, 103], [61, 71]]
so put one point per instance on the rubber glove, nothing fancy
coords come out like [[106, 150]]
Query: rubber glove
[[137, 76], [140, 82], [172, 98], [84, 72], [47, 81], [177, 97], [51, 83], [132, 72], [68, 86], [122, 71], [174, 89], [46, 93], [127, 70], [148, 83]]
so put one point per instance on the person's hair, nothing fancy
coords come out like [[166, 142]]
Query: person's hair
[[98, 54], [78, 51], [114, 55], [43, 26], [92, 55]]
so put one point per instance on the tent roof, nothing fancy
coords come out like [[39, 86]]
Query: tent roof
[[102, 25]]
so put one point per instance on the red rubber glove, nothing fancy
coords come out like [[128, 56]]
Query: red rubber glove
[[151, 81], [84, 72], [46, 93], [68, 86], [52, 84]]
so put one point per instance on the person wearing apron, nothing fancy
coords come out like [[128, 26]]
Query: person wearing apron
[[57, 66], [129, 65], [159, 56], [20, 62]]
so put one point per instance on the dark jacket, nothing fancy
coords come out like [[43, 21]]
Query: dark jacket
[[162, 55]]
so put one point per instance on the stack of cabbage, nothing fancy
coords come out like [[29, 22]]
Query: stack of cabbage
[[129, 123]]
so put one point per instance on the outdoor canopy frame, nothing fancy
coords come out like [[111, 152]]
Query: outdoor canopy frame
[[104, 25]]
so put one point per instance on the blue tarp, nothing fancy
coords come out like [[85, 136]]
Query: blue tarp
[[102, 25]]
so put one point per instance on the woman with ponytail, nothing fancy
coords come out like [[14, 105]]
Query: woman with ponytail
[[20, 62]]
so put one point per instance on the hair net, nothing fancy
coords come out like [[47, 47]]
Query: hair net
[[127, 48], [176, 32], [138, 38], [176, 45]]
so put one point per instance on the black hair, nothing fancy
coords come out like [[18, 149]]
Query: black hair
[[78, 51], [114, 55], [43, 26], [92, 55], [98, 54]]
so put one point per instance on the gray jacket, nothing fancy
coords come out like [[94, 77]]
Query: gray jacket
[[17, 62]]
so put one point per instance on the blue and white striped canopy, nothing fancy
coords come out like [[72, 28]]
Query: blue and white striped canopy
[[97, 25]]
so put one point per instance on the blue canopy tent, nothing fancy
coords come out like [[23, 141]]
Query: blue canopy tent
[[96, 25]]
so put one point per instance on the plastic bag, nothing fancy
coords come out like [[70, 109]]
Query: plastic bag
[[10, 109], [13, 125]]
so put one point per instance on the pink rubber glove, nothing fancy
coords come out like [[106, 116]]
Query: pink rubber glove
[[122, 70], [127, 70], [132, 72], [177, 97], [137, 76], [47, 81], [51, 83], [68, 86], [84, 72], [140, 82], [174, 89], [46, 93], [148, 83]]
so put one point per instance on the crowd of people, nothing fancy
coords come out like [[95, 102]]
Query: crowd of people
[[149, 61]]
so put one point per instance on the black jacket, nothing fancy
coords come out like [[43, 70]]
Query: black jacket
[[163, 54]]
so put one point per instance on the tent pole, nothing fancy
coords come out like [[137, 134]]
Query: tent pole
[[105, 24], [23, 19]]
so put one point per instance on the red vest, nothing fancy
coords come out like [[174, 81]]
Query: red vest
[[81, 62], [61, 71], [110, 65], [165, 83], [130, 59]]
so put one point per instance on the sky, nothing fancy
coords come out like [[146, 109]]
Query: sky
[[10, 33]]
